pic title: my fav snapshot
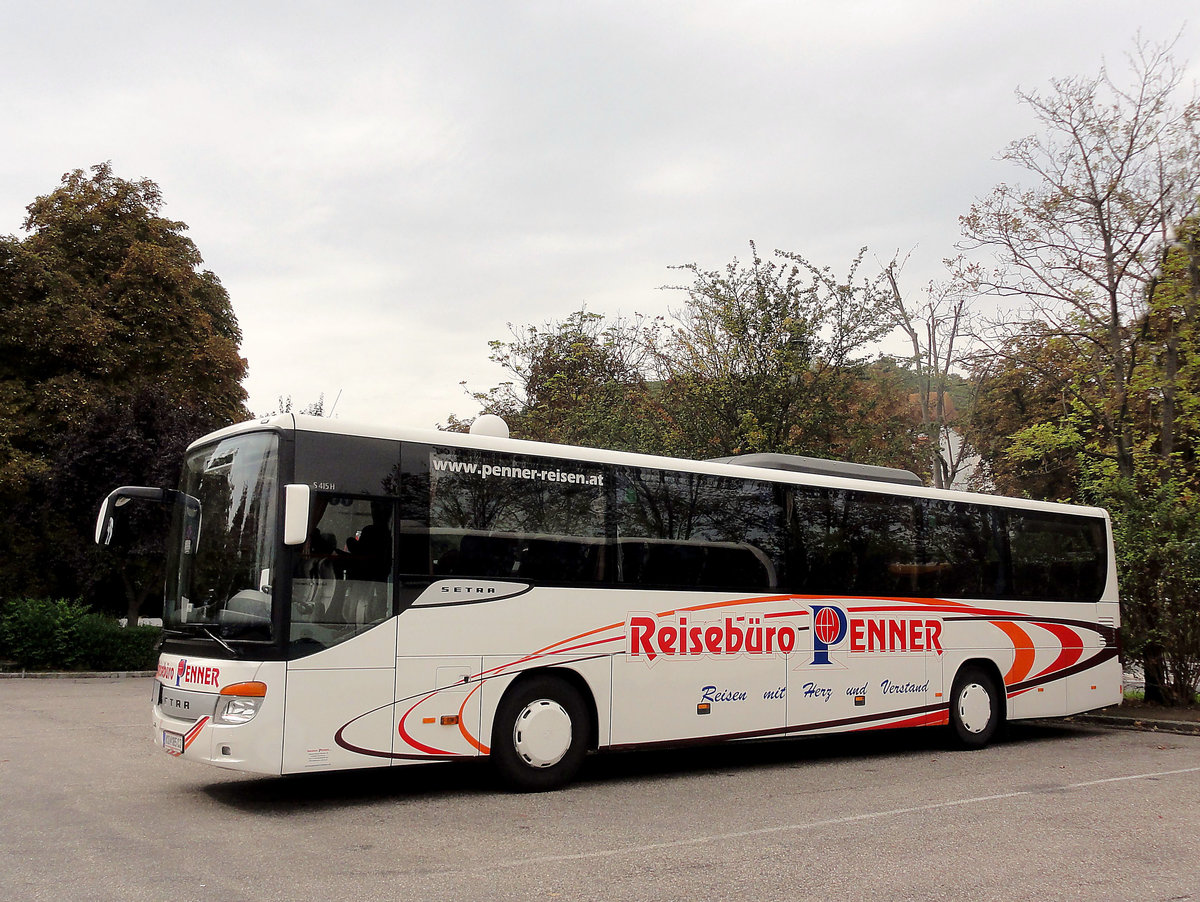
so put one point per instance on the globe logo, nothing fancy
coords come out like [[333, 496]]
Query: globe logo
[[829, 628]]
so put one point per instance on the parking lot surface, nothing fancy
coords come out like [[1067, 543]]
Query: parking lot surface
[[90, 808]]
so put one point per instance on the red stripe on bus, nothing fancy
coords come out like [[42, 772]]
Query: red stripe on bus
[[1072, 647]]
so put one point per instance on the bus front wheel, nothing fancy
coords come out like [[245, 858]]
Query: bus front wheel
[[539, 737], [974, 707]]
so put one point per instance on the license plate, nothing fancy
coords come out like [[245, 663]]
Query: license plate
[[173, 742]]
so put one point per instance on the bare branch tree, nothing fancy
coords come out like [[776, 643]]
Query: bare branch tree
[[1114, 170], [936, 327]]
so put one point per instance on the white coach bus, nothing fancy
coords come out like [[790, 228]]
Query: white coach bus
[[342, 596]]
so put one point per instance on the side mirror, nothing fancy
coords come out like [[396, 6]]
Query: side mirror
[[106, 521], [296, 502], [120, 497]]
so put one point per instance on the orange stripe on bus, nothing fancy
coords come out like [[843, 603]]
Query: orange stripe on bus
[[1023, 647], [462, 724]]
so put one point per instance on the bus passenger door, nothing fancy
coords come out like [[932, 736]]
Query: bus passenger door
[[341, 680]]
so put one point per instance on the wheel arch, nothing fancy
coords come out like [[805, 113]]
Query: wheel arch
[[576, 681], [988, 666]]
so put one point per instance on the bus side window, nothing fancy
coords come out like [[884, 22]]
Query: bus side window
[[963, 552], [343, 580], [689, 530], [815, 552], [499, 516], [883, 531], [852, 543]]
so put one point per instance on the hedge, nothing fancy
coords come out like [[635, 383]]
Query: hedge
[[58, 634]]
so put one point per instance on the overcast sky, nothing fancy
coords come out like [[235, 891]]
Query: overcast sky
[[382, 187]]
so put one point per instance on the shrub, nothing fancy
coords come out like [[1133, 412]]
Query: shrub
[[58, 634], [103, 644], [37, 633]]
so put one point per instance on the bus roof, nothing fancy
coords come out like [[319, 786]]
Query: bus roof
[[795, 463]]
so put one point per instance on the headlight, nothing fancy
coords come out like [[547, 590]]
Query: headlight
[[237, 710], [240, 702]]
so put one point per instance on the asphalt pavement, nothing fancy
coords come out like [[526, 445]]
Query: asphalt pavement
[[91, 808]]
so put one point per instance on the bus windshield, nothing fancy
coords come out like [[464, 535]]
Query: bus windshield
[[222, 541]]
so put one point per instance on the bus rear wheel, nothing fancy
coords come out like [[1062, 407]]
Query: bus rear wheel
[[974, 707], [539, 737]]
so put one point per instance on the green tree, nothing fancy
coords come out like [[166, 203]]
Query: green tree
[[1156, 515], [134, 439], [287, 405], [103, 308], [1047, 441], [1089, 245], [770, 357], [1021, 422], [578, 380], [773, 356], [1168, 374], [1156, 526]]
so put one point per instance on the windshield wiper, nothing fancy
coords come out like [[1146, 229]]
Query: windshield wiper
[[225, 645]]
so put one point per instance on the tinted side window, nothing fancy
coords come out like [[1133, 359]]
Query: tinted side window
[[964, 551], [852, 543], [689, 530], [818, 547], [1057, 557], [884, 532], [512, 517]]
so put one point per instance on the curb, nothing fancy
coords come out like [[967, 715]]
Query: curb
[[73, 675], [1145, 725]]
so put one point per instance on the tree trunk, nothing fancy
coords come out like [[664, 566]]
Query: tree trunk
[[133, 603], [1154, 670], [135, 597]]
